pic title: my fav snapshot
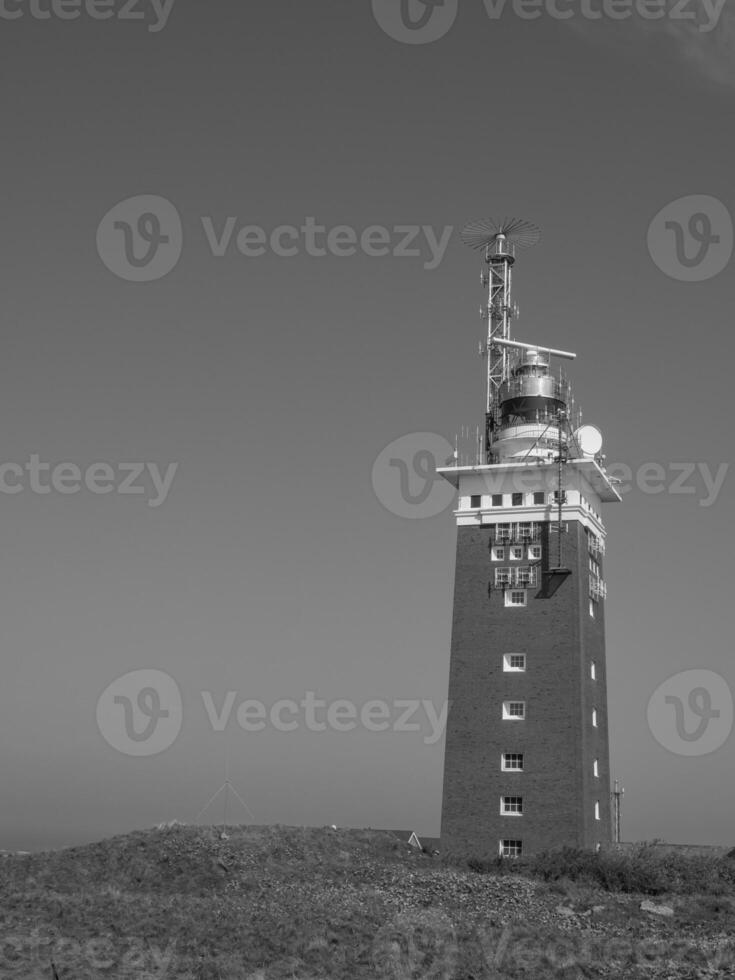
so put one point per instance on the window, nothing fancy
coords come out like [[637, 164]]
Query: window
[[503, 533], [502, 576], [527, 531], [594, 717], [517, 499], [511, 762], [596, 769], [516, 597], [597, 810], [511, 805], [539, 498], [534, 551], [592, 608], [511, 848], [498, 554], [514, 662], [516, 554], [563, 496], [497, 500], [593, 671], [514, 710], [476, 500]]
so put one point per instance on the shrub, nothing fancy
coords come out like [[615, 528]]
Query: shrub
[[643, 870]]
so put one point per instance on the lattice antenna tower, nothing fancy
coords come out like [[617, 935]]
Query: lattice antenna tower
[[500, 240]]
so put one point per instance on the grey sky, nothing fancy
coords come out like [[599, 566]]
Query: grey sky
[[271, 568]]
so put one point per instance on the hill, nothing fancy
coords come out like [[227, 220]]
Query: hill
[[269, 903]]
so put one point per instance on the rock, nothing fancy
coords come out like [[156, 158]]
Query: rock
[[654, 909]]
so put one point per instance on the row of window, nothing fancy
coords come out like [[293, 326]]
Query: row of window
[[519, 576], [512, 806], [516, 552], [516, 662], [514, 761], [514, 499], [510, 848], [516, 711]]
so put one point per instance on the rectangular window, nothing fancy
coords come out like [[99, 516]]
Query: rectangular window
[[514, 661], [527, 531], [511, 805], [512, 762], [498, 554], [476, 500], [539, 498], [503, 533], [593, 671], [516, 597], [497, 500], [502, 577], [516, 554], [563, 496], [594, 717], [596, 769], [525, 576], [517, 499], [592, 608], [514, 710], [534, 552], [511, 848], [597, 810]]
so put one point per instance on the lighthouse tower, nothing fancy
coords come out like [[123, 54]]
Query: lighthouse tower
[[526, 761]]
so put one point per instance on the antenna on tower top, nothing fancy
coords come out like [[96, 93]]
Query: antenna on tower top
[[499, 239]]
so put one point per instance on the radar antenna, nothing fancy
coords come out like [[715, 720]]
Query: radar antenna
[[499, 239]]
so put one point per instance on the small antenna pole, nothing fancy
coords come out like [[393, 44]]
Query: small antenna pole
[[225, 789], [617, 797]]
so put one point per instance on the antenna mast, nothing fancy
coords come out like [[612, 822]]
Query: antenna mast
[[499, 240]]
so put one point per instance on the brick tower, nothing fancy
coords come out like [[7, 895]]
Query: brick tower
[[526, 761]]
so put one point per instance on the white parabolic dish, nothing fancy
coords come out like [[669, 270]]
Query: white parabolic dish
[[589, 439]]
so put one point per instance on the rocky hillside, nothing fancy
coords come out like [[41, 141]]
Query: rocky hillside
[[311, 904]]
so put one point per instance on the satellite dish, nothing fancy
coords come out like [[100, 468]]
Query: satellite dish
[[484, 233], [589, 439]]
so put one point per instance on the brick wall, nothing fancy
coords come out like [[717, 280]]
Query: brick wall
[[557, 739]]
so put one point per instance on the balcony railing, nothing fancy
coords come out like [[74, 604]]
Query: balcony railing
[[524, 577], [526, 533]]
